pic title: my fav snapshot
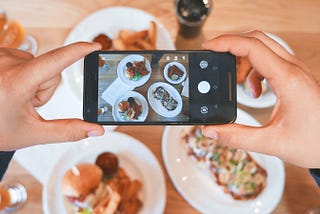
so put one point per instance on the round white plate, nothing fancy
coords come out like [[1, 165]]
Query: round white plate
[[128, 150], [180, 66], [201, 191], [266, 99], [121, 70], [141, 100], [110, 21], [156, 104]]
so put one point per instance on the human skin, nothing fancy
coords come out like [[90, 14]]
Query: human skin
[[292, 132], [27, 82]]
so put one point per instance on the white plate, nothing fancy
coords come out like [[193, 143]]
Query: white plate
[[139, 99], [110, 21], [121, 70], [203, 193], [156, 104], [180, 66], [129, 150], [266, 99]]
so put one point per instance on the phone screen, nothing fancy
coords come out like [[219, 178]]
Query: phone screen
[[159, 88]]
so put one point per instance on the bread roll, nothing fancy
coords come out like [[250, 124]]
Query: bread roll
[[81, 179]]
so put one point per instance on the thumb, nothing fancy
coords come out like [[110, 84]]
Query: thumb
[[68, 130], [238, 136]]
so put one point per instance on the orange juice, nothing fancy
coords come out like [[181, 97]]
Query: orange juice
[[13, 36], [12, 196], [5, 200], [3, 22]]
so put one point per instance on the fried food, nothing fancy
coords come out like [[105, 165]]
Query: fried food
[[89, 192], [130, 40], [129, 109], [174, 72], [137, 69], [108, 162], [152, 33], [141, 67], [104, 40]]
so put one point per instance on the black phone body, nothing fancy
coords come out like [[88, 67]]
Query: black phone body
[[163, 87]]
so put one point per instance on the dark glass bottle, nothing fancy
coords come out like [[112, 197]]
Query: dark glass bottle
[[191, 15]]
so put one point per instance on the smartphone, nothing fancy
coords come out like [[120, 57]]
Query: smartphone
[[162, 87]]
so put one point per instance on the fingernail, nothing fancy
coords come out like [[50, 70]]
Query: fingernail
[[252, 93], [94, 133], [98, 45], [210, 133]]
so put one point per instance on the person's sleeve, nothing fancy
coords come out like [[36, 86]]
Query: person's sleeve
[[5, 158], [316, 175]]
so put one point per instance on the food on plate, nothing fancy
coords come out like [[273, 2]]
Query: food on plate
[[130, 109], [104, 40], [130, 40], [135, 70], [80, 180], [234, 170], [90, 191], [264, 87], [166, 100], [108, 162], [174, 73], [101, 62], [243, 69]]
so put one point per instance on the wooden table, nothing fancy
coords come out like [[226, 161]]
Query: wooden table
[[295, 21]]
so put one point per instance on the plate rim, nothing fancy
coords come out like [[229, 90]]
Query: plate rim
[[161, 202]]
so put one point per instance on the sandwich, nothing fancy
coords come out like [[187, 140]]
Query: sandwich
[[84, 188]]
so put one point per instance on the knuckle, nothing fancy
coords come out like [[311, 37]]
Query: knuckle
[[257, 33], [72, 132], [255, 42], [230, 141]]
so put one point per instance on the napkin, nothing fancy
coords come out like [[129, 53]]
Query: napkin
[[113, 92]]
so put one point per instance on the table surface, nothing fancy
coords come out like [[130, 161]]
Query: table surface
[[295, 21]]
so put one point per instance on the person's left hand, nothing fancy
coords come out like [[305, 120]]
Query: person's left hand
[[27, 82]]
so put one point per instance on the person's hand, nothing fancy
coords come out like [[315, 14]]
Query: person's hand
[[26, 83], [292, 132]]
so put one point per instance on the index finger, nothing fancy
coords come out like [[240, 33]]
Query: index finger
[[261, 57], [52, 63]]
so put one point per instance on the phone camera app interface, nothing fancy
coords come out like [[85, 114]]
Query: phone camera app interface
[[143, 87]]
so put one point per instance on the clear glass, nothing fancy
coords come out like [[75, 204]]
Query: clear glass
[[12, 35], [12, 197]]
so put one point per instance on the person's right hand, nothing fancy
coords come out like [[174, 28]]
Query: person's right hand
[[293, 131]]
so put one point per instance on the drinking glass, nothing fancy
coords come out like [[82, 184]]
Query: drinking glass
[[191, 15], [12, 35], [12, 196]]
